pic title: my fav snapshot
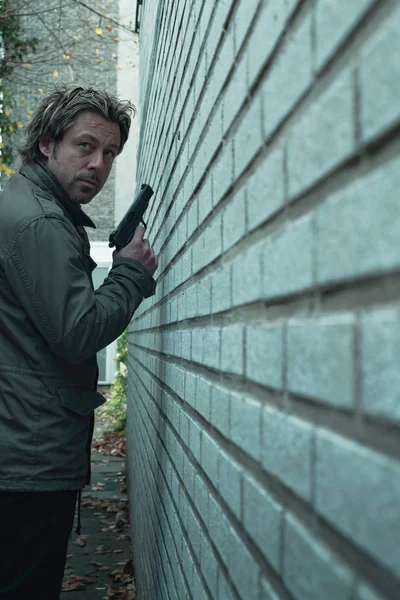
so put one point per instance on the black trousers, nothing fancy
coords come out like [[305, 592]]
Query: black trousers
[[34, 532]]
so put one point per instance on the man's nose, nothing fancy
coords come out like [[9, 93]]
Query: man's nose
[[96, 161]]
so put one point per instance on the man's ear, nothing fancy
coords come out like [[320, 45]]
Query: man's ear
[[46, 146]]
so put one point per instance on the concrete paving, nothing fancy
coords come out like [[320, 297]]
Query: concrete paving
[[99, 559]]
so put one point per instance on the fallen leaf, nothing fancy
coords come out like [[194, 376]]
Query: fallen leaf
[[99, 31], [80, 541], [128, 566], [76, 583]]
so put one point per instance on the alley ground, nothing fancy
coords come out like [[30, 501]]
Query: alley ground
[[99, 562]]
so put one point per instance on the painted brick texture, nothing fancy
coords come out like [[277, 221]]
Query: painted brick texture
[[263, 412]]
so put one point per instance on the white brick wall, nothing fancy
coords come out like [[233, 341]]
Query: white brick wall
[[263, 422]]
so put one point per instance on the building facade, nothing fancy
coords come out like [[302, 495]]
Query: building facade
[[263, 424]]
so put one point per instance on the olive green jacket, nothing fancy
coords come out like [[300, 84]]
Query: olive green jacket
[[52, 324]]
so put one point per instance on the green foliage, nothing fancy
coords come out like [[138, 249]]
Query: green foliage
[[13, 54], [115, 408]]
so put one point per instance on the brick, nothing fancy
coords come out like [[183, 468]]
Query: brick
[[201, 497], [345, 246], [187, 564], [195, 439], [232, 349], [219, 529], [287, 450], [182, 306], [234, 221], [244, 15], [324, 137], [209, 566], [212, 240], [265, 190], [190, 388], [246, 425], [194, 534], [221, 294], [222, 173], [198, 589], [235, 93], [191, 305], [212, 343], [193, 218], [297, 50], [248, 138], [243, 569], [224, 61], [364, 592], [321, 359], [204, 296], [203, 391], [230, 477], [264, 355], [380, 70], [334, 22], [188, 475], [310, 570], [186, 345], [360, 473], [220, 410], [380, 351], [205, 18], [267, 591], [224, 592], [217, 27], [184, 428], [197, 345], [247, 275], [262, 519], [209, 458], [213, 137], [288, 260], [198, 254], [186, 262], [269, 26], [199, 161]]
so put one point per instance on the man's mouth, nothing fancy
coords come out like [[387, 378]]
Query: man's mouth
[[89, 182]]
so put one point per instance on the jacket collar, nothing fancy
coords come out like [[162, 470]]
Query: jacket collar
[[40, 175]]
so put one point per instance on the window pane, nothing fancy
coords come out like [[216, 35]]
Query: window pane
[[99, 275]]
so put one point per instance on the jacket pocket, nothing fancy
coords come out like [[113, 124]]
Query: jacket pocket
[[80, 402]]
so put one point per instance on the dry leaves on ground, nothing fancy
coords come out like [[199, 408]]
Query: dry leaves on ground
[[112, 444], [119, 594], [80, 541], [74, 583]]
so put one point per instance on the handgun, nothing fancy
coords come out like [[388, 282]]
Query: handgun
[[123, 234]]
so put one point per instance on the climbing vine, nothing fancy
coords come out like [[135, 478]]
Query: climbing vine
[[42, 44], [115, 408], [13, 52]]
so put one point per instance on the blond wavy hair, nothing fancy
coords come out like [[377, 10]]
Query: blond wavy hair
[[57, 112]]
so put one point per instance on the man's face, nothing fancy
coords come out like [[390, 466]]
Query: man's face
[[83, 159]]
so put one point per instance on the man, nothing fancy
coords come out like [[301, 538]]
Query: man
[[52, 323]]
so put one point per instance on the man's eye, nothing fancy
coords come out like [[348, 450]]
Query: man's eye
[[110, 153], [84, 145]]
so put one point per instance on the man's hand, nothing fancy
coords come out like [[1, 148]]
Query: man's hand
[[139, 249]]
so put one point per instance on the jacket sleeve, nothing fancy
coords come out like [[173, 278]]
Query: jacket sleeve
[[46, 273]]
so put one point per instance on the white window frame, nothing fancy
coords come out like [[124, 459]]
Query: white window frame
[[102, 255]]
